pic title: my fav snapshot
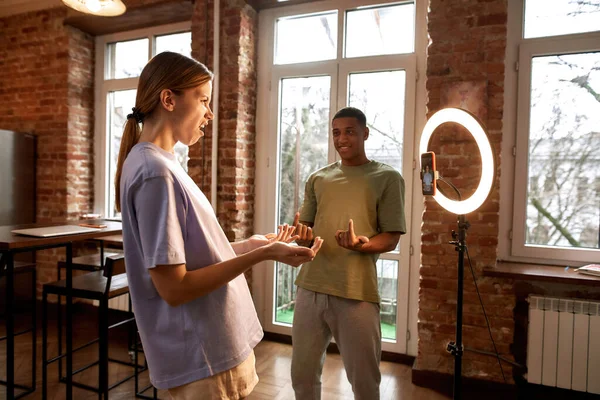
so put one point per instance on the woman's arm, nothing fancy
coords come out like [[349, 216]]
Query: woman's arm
[[176, 285]]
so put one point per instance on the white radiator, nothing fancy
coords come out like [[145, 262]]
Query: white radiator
[[563, 346]]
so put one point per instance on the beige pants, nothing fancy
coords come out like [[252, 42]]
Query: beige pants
[[233, 384]]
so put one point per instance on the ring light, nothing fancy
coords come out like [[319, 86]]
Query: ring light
[[471, 124]]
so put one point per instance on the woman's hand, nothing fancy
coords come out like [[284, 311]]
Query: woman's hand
[[284, 234], [294, 255]]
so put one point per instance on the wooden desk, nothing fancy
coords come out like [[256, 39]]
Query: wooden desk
[[11, 244]]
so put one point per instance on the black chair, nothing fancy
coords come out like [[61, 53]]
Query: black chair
[[22, 268], [101, 286]]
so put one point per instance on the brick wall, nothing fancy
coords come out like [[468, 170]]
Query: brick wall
[[237, 118], [199, 164], [80, 144], [466, 55], [33, 88], [46, 88], [237, 109]]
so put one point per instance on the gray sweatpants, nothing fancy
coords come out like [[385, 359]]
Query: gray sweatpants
[[356, 327]]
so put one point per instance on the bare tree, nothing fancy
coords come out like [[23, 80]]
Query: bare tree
[[564, 210]]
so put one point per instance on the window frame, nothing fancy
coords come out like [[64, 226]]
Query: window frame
[[519, 55], [103, 86]]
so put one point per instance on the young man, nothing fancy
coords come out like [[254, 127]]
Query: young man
[[357, 206]]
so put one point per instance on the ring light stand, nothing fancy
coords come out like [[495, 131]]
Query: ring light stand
[[461, 208]]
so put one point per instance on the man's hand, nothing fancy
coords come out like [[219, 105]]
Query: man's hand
[[349, 240], [303, 232]]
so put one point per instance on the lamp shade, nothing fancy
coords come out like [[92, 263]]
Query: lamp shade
[[104, 8], [475, 128]]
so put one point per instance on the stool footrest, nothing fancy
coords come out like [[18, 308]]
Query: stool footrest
[[18, 333], [58, 357], [94, 388], [141, 395]]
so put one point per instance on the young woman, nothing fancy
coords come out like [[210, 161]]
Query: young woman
[[192, 305]]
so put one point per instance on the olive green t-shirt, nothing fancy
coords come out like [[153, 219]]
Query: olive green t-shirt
[[372, 195]]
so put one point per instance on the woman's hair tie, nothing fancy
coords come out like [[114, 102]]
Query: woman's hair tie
[[137, 114]]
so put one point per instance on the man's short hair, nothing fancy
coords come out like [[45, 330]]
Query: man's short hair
[[351, 112]]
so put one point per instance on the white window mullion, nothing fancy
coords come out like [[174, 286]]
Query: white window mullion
[[120, 84]]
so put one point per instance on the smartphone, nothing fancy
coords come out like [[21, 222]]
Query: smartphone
[[428, 173]]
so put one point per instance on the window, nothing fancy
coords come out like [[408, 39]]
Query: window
[[556, 215], [315, 59], [120, 60]]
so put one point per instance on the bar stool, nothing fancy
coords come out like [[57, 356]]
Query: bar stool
[[101, 286], [23, 268], [140, 393], [89, 263]]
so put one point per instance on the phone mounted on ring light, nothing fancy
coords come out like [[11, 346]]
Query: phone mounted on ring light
[[429, 174]]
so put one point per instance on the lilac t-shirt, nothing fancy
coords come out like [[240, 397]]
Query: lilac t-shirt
[[168, 220]]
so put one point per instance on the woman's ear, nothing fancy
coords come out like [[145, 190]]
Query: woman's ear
[[167, 99]]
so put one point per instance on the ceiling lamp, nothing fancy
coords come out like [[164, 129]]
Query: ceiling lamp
[[104, 8]]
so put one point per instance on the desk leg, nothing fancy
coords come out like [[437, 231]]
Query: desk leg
[[69, 267], [10, 327]]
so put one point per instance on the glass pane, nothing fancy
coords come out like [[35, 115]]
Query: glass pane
[[178, 43], [304, 137], [560, 18], [387, 278], [381, 30], [127, 59], [286, 293], [182, 153], [306, 38], [563, 196], [119, 105], [304, 132], [380, 95]]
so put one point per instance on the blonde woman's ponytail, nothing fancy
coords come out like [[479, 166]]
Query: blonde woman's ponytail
[[131, 135]]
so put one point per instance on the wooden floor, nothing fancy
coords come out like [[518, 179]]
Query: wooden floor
[[272, 364]]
